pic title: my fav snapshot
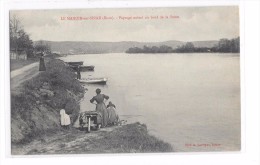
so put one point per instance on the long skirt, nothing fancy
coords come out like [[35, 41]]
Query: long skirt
[[101, 107], [42, 65], [78, 75], [112, 116]]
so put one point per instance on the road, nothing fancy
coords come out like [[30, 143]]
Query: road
[[19, 76]]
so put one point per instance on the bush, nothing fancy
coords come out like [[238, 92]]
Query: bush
[[30, 106], [132, 138]]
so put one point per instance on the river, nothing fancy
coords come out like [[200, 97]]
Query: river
[[191, 101]]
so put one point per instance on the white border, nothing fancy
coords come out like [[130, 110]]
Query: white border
[[249, 30]]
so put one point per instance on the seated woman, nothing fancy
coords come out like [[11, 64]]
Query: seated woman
[[112, 116]]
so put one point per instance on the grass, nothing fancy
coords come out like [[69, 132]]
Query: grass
[[131, 138], [33, 113]]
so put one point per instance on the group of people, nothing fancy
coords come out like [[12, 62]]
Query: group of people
[[109, 116], [108, 113]]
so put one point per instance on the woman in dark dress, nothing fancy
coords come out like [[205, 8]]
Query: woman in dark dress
[[100, 106], [42, 64], [78, 73]]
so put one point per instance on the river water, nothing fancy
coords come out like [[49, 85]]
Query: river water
[[191, 101]]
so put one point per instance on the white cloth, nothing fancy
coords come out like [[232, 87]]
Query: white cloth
[[64, 118]]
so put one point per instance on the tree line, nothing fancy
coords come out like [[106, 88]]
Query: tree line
[[154, 49], [223, 46], [20, 41]]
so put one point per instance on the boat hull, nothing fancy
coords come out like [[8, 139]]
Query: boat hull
[[83, 68], [87, 68], [101, 81], [75, 63]]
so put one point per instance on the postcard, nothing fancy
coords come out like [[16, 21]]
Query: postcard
[[125, 80]]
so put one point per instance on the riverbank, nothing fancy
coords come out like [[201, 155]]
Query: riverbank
[[130, 138], [36, 103], [35, 120]]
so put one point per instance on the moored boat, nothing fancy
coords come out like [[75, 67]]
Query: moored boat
[[87, 68], [82, 68], [102, 81], [75, 63]]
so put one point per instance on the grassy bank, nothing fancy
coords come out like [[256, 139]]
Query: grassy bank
[[35, 108], [35, 120], [130, 138]]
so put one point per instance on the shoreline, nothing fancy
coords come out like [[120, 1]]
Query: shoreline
[[44, 101], [129, 138]]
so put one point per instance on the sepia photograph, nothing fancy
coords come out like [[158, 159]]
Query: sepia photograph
[[125, 80]]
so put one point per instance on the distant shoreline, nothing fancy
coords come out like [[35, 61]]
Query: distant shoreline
[[147, 53], [88, 47], [223, 46]]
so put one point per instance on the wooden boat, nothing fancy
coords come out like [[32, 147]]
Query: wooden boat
[[102, 81], [83, 68], [75, 63], [87, 68]]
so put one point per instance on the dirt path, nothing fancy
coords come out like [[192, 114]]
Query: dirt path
[[19, 76], [70, 141]]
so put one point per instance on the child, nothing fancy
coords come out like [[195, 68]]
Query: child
[[64, 119]]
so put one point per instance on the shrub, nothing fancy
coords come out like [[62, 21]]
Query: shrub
[[132, 138], [61, 81]]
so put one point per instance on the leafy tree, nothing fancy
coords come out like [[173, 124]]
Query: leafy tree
[[153, 49], [19, 39], [187, 48], [42, 48], [225, 46], [165, 49], [14, 28], [235, 45]]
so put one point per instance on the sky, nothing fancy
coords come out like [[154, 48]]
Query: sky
[[186, 24]]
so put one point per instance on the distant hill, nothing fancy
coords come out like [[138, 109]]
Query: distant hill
[[208, 44], [81, 47]]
